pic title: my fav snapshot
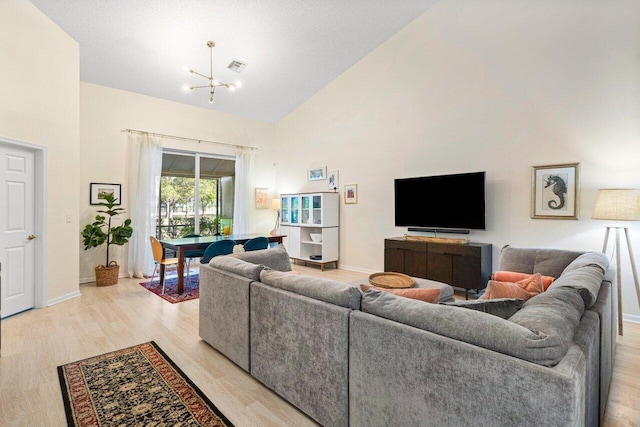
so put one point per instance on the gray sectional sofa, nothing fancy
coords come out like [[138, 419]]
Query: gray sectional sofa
[[376, 359]]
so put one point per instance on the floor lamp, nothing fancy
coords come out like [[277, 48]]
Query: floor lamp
[[275, 204], [619, 205]]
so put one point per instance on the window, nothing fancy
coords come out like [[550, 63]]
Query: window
[[196, 195]]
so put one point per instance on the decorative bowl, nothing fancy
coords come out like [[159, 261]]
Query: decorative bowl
[[316, 237]]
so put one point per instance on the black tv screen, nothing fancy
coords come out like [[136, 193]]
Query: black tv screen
[[441, 201]]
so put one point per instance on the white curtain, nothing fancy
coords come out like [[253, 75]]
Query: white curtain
[[145, 166], [242, 212]]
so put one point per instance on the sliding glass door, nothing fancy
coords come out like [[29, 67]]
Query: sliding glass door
[[196, 195]]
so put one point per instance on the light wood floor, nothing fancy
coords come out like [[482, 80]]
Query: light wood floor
[[103, 319]]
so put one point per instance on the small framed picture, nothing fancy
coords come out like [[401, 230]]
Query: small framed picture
[[262, 198], [98, 191], [555, 191], [351, 194], [332, 180], [317, 174]]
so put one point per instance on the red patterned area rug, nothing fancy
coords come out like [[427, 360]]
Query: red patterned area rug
[[135, 386], [191, 289]]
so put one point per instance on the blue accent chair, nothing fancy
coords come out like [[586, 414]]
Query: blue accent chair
[[221, 247], [256, 243]]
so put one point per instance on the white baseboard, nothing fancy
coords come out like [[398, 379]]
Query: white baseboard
[[357, 269], [84, 280], [633, 318], [63, 298]]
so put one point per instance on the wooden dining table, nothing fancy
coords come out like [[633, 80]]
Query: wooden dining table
[[180, 246]]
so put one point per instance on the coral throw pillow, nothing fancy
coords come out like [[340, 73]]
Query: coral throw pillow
[[431, 295], [522, 289], [512, 276]]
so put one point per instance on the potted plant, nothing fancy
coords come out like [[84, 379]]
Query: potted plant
[[95, 235]]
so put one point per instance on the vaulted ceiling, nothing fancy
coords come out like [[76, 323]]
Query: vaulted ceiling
[[292, 48]]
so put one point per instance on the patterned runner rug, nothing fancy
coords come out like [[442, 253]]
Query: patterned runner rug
[[191, 289], [135, 386]]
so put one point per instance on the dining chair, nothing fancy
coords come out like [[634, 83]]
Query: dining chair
[[221, 247], [256, 243], [189, 255], [160, 260]]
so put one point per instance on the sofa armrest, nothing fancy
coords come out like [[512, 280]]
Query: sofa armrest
[[401, 375], [606, 309], [299, 349], [224, 313]]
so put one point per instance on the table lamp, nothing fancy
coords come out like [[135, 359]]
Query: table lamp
[[275, 204], [619, 205]]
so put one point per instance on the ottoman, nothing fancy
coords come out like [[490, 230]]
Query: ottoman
[[446, 291]]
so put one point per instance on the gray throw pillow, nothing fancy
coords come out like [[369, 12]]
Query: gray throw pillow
[[501, 307]]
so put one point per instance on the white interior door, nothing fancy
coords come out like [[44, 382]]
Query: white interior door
[[17, 224]]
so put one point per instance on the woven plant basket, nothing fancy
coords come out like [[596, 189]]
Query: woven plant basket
[[107, 276]]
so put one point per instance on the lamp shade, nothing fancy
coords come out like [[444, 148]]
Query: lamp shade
[[275, 204], [617, 204]]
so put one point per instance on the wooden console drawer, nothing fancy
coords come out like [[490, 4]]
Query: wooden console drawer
[[407, 245], [463, 250]]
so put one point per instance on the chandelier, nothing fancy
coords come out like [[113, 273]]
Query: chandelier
[[213, 83]]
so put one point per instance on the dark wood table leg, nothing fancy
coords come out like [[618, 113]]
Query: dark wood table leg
[[180, 271]]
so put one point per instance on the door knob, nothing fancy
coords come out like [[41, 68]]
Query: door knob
[[31, 236]]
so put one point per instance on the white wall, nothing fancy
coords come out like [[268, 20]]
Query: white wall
[[39, 104], [104, 152], [489, 85]]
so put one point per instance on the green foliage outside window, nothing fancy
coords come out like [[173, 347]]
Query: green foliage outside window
[[177, 218]]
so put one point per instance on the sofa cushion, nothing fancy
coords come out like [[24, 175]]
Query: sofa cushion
[[589, 259], [275, 258], [514, 276], [422, 294], [237, 266], [501, 307], [522, 289], [446, 291], [548, 262], [330, 291], [554, 315], [470, 326], [585, 274]]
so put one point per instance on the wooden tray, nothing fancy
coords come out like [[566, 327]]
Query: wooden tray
[[391, 280]]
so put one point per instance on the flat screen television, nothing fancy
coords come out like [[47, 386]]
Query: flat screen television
[[455, 201]]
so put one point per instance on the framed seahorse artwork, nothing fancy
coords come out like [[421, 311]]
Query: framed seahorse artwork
[[555, 191]]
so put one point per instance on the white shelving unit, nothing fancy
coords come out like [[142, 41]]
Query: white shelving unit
[[307, 213]]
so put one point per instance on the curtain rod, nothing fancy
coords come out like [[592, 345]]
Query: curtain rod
[[182, 138]]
